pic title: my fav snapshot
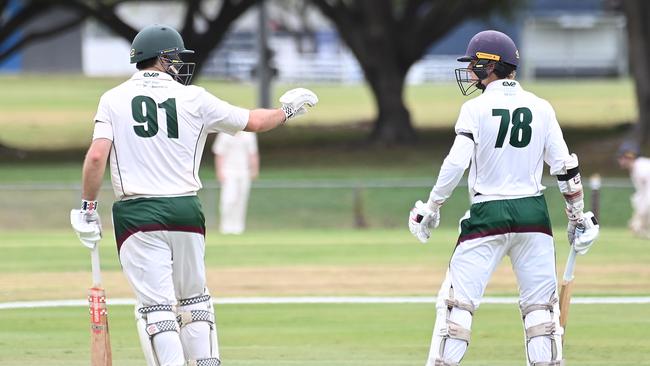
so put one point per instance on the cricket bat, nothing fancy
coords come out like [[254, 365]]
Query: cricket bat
[[100, 342], [565, 289], [567, 278]]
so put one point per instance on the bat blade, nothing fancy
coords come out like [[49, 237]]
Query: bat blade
[[565, 290], [100, 342], [565, 302]]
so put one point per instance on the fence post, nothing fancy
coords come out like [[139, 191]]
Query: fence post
[[359, 218]]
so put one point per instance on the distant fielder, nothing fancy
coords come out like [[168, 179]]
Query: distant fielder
[[639, 168], [506, 134], [237, 163], [154, 128]]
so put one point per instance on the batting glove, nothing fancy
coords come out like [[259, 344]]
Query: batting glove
[[586, 233], [87, 224], [422, 218], [295, 102]]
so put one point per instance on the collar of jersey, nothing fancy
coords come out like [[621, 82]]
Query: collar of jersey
[[161, 75], [499, 85]]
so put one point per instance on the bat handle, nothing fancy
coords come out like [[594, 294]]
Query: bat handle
[[570, 265], [94, 262]]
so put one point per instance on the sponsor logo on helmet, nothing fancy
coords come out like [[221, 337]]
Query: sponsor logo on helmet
[[132, 52], [169, 50], [517, 54], [488, 56]]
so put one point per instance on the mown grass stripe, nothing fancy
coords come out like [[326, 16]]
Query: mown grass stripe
[[617, 300]]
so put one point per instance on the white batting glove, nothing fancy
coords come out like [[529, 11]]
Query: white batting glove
[[586, 233], [422, 218], [295, 102], [87, 224]]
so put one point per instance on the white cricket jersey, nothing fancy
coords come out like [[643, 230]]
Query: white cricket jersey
[[158, 128], [507, 134], [236, 152]]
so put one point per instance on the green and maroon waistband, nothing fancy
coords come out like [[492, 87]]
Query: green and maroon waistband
[[521, 215], [157, 214]]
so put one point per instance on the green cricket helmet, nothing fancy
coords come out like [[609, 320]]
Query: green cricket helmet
[[165, 42]]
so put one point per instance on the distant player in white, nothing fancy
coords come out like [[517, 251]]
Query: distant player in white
[[237, 162], [154, 128], [639, 168], [505, 134]]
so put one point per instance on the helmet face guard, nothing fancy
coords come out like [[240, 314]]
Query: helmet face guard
[[181, 71], [489, 52], [469, 78]]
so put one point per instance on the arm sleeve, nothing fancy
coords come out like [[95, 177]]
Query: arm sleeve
[[466, 124], [452, 168], [556, 152], [220, 116], [103, 123]]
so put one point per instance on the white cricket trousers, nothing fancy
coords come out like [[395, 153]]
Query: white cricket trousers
[[161, 247], [490, 231], [233, 203]]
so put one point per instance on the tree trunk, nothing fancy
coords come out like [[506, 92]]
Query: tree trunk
[[393, 124], [638, 30]]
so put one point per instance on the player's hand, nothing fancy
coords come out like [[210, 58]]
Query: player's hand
[[422, 218], [586, 232], [295, 102], [87, 224]]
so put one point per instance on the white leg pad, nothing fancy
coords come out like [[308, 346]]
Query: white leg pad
[[451, 333], [543, 334], [198, 331], [158, 333]]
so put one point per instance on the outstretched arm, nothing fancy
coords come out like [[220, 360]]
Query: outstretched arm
[[294, 103]]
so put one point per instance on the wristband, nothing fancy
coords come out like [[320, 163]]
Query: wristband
[[288, 112], [88, 205]]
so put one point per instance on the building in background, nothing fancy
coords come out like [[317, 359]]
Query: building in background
[[556, 39]]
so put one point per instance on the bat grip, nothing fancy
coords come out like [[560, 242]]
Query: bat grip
[[94, 262], [570, 265]]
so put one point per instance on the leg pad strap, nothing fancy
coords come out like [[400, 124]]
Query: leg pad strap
[[461, 305], [152, 308], [194, 300], [212, 361], [161, 326], [455, 331], [552, 363], [544, 329], [187, 317], [525, 310], [440, 362]]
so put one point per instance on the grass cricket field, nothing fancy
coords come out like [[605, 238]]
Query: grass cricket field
[[322, 263], [302, 243]]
